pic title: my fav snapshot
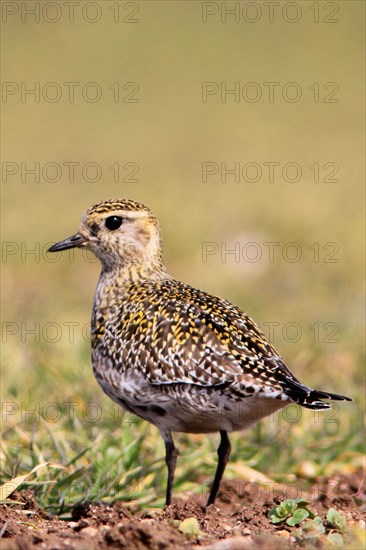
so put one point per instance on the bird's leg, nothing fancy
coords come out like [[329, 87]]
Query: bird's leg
[[223, 453], [171, 453]]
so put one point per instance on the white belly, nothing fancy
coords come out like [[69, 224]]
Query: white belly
[[184, 408]]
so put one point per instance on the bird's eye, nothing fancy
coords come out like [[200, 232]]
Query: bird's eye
[[113, 222]]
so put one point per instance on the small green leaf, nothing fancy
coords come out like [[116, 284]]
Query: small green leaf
[[335, 539], [313, 528], [298, 516], [190, 528], [337, 519], [317, 521], [301, 502], [309, 528], [311, 513], [274, 517], [289, 506]]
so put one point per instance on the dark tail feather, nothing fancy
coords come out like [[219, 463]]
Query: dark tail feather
[[310, 401], [308, 398], [327, 395]]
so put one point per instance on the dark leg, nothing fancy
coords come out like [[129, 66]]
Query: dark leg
[[223, 453], [171, 453]]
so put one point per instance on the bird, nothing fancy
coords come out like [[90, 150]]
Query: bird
[[176, 356]]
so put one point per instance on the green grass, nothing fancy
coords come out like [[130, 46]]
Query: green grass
[[108, 454]]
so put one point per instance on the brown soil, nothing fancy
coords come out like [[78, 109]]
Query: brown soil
[[240, 517]]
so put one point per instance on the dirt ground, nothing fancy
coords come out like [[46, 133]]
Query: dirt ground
[[238, 521]]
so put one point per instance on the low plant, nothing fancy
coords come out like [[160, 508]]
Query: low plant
[[291, 511]]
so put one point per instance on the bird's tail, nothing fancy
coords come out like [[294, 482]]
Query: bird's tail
[[312, 401], [308, 398]]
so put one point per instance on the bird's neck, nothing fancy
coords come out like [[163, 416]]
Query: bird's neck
[[116, 280]]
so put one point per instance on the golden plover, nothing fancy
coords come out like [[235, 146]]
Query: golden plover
[[180, 358]]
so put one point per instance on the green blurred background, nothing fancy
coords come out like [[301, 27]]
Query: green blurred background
[[169, 132]]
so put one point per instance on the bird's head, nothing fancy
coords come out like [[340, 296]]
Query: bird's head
[[121, 233]]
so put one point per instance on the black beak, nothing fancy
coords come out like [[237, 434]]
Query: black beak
[[71, 242]]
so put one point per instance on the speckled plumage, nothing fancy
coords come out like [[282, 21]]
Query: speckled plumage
[[176, 356]]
